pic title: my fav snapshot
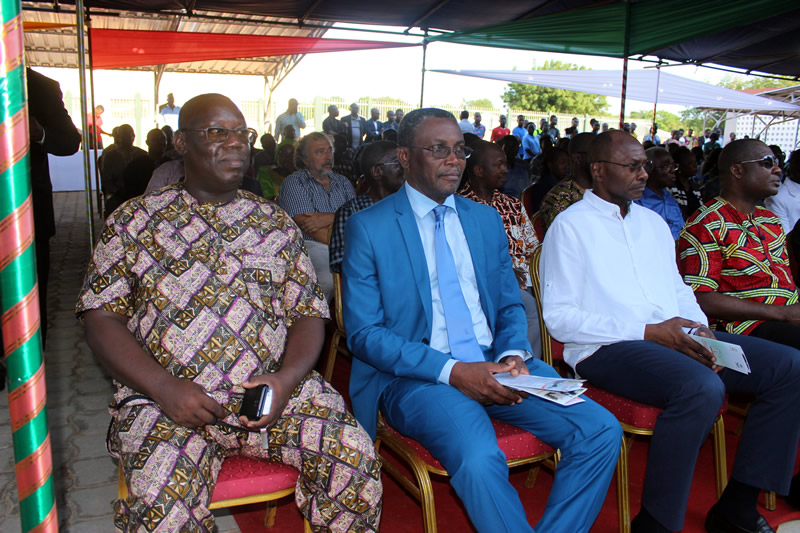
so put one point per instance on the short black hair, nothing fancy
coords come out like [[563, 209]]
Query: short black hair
[[464, 114], [411, 122], [372, 154]]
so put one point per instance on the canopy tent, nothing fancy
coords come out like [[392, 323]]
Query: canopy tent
[[132, 48], [757, 35], [643, 85], [754, 35]]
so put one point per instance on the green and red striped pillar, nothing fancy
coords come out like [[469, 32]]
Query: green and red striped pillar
[[19, 303]]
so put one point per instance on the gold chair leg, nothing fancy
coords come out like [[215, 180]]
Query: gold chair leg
[[769, 500], [333, 352], [720, 458], [623, 498], [530, 481], [272, 511]]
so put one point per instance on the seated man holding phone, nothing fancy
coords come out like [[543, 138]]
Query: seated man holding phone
[[195, 294]]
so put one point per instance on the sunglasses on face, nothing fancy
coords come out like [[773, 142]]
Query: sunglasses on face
[[768, 161]]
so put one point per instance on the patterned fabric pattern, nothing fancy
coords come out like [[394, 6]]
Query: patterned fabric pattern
[[721, 249], [336, 246], [301, 193], [210, 291], [557, 199], [522, 239]]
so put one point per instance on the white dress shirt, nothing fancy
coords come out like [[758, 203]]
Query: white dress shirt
[[426, 224], [786, 204], [605, 277]]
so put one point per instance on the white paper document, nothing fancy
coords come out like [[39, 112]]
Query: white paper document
[[558, 390], [727, 354]]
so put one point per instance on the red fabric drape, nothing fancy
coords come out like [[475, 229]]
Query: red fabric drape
[[136, 48]]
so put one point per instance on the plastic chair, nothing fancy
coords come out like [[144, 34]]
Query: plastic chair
[[634, 417], [243, 481], [519, 446]]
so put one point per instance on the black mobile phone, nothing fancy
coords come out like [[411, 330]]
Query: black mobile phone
[[255, 402]]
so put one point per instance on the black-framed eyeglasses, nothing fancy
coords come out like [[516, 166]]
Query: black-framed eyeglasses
[[216, 134], [768, 161], [440, 151], [633, 167]]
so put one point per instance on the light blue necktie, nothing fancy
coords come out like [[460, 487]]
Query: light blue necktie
[[458, 320]]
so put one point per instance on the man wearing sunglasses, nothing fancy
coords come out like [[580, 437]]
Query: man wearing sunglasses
[[195, 293], [656, 197], [432, 310], [733, 254], [612, 293]]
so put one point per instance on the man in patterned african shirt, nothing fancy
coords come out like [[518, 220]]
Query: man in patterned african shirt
[[486, 173], [570, 190], [733, 251], [195, 293]]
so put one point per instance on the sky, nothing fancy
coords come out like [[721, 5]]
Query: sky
[[350, 75]]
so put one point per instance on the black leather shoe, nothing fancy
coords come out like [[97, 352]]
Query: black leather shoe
[[717, 523]]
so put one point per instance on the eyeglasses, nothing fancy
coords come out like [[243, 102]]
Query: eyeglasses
[[768, 161], [633, 167], [220, 135], [440, 151]]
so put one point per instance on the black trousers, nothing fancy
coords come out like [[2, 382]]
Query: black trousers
[[781, 332], [691, 395]]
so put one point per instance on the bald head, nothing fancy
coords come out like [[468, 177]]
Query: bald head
[[737, 151], [603, 145], [194, 111]]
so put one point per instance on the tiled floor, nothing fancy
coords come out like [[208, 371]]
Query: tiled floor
[[78, 391]]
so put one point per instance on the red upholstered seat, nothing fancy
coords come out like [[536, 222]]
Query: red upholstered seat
[[538, 225], [241, 477], [516, 443]]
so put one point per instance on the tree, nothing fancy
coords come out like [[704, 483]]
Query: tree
[[666, 121], [697, 119], [740, 83], [533, 98], [484, 103]]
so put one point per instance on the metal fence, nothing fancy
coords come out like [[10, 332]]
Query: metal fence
[[139, 112]]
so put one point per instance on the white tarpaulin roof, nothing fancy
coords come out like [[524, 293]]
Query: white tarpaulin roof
[[642, 86]]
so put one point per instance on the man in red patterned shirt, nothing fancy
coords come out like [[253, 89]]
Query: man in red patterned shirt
[[733, 251], [733, 255]]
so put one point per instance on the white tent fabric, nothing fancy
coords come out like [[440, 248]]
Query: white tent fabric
[[642, 86]]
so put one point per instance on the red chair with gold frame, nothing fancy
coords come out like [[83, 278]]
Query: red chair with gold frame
[[634, 417], [538, 225], [339, 339], [243, 481], [520, 447]]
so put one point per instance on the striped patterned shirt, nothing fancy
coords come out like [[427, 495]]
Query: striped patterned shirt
[[301, 193], [721, 249]]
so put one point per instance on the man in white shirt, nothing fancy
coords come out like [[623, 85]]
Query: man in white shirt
[[612, 293], [786, 204], [409, 259], [465, 125], [291, 117]]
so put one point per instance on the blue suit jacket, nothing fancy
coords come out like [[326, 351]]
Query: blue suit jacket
[[387, 296]]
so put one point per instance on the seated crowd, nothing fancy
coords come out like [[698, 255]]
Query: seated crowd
[[217, 276]]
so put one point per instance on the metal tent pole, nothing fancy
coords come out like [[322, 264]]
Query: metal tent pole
[[424, 56], [625, 63], [87, 174]]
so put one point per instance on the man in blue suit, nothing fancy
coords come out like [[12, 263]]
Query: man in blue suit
[[413, 262]]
